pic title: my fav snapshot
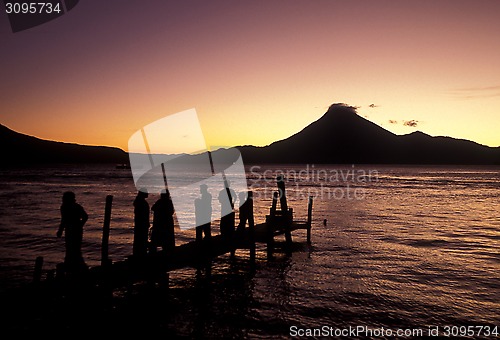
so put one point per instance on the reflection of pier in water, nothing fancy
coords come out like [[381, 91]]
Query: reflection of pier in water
[[199, 254]]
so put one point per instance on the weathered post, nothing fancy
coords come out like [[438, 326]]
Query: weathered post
[[105, 231], [287, 217], [309, 219], [282, 193], [37, 275], [232, 237], [270, 221], [107, 290], [251, 226]]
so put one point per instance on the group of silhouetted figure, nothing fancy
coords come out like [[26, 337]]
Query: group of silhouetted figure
[[162, 231], [161, 234]]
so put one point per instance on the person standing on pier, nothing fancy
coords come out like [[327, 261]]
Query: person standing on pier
[[73, 218], [245, 211], [203, 212], [227, 196], [162, 232], [141, 223]]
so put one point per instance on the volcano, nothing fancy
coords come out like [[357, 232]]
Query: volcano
[[341, 136]]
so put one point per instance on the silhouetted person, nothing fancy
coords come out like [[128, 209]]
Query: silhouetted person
[[162, 232], [141, 223], [203, 212], [245, 212], [73, 218], [227, 197]]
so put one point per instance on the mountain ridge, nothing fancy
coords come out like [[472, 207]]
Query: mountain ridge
[[21, 149], [340, 136]]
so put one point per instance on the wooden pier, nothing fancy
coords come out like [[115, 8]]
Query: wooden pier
[[197, 254]]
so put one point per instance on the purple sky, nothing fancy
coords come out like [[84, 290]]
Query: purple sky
[[256, 71]]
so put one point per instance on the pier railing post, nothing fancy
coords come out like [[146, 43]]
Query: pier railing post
[[282, 193], [275, 203], [270, 221], [105, 231], [251, 226], [287, 214], [309, 219]]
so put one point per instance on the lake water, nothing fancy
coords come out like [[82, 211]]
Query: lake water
[[402, 247]]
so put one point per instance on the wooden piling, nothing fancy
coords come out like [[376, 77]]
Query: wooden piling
[[282, 193], [309, 219], [270, 220], [287, 214], [37, 275], [232, 233], [251, 225], [105, 231], [287, 226], [272, 210]]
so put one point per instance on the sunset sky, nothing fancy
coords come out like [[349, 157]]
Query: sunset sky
[[256, 71]]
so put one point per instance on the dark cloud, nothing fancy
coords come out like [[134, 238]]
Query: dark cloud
[[410, 123], [343, 106]]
